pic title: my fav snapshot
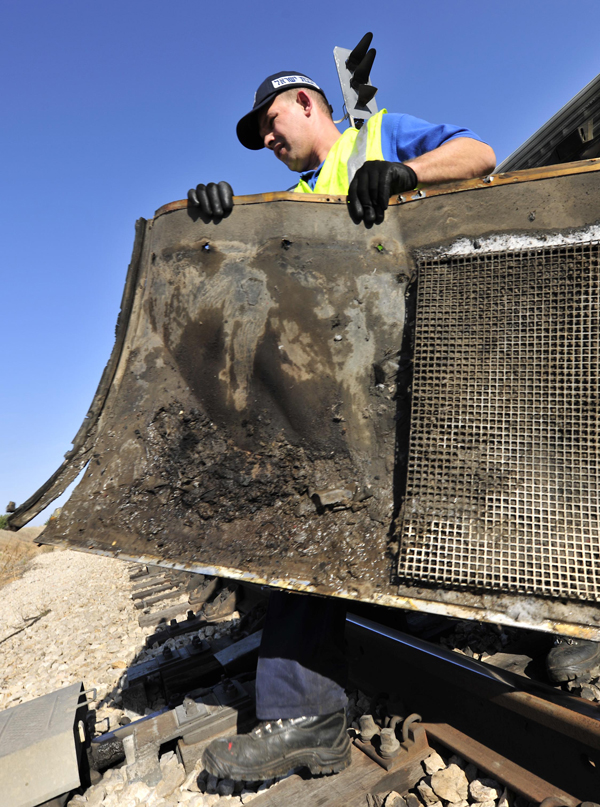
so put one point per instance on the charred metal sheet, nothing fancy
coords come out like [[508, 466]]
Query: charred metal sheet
[[458, 186], [247, 426], [256, 426]]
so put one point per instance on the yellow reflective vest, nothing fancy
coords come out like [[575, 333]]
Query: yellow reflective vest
[[354, 148]]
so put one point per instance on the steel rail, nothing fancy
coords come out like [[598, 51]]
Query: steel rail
[[571, 716], [544, 742], [521, 781]]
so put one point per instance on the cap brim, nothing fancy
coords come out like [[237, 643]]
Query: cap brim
[[247, 131], [247, 128]]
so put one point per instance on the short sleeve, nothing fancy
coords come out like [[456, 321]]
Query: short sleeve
[[404, 137]]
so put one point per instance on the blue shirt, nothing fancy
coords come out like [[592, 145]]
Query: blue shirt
[[404, 137]]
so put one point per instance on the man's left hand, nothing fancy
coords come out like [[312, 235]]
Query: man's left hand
[[373, 184]]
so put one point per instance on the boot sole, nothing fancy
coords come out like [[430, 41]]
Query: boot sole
[[565, 674], [318, 760]]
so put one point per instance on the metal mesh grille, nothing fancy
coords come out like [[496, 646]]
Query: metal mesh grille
[[504, 460]]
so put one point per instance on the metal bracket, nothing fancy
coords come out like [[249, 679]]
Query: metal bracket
[[353, 67], [414, 745], [85, 692]]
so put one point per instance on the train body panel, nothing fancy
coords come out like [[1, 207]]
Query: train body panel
[[254, 418]]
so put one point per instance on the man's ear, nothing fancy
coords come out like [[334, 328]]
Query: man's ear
[[305, 101]]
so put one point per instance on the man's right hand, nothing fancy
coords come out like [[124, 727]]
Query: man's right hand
[[215, 200], [373, 184]]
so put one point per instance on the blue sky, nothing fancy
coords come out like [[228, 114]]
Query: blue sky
[[112, 109]]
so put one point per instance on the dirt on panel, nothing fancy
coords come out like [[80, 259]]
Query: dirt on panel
[[257, 420]]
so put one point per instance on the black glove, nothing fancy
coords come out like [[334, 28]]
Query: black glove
[[373, 184], [214, 200]]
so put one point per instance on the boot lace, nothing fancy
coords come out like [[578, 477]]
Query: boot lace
[[566, 640], [269, 726], [266, 727]]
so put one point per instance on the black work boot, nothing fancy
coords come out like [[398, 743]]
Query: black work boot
[[276, 746], [572, 658]]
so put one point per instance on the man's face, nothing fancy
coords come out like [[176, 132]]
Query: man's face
[[285, 130]]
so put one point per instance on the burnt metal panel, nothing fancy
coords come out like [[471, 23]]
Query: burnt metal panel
[[245, 428], [256, 422]]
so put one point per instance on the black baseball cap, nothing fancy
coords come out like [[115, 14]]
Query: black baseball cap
[[247, 128]]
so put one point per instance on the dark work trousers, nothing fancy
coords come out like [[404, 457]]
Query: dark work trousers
[[302, 665]]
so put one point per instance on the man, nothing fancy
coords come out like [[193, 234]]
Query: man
[[398, 151], [300, 697]]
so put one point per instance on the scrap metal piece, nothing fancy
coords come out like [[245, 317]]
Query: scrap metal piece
[[228, 706], [240, 438], [353, 68], [41, 745]]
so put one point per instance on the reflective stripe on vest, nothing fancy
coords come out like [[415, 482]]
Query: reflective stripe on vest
[[346, 156]]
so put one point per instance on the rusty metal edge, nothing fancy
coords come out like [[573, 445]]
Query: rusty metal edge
[[83, 442], [259, 198], [479, 183], [415, 603], [515, 777]]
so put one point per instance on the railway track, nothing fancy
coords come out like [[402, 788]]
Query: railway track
[[417, 711], [539, 743]]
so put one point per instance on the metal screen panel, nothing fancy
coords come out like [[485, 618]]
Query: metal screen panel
[[504, 461]]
